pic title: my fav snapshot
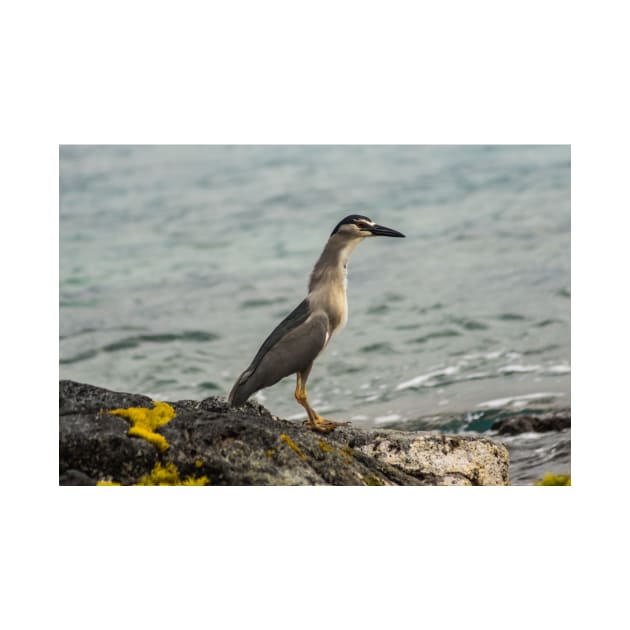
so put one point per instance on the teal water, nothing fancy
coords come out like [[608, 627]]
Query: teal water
[[176, 262]]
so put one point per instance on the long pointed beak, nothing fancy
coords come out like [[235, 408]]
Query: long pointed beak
[[381, 230]]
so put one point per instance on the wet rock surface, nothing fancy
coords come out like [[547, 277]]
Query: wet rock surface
[[534, 423], [249, 446]]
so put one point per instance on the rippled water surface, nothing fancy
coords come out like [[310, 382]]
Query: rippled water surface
[[176, 262]]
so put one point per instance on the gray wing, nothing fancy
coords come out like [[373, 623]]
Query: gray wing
[[291, 347], [296, 317]]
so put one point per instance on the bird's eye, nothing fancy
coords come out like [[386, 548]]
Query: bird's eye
[[361, 224]]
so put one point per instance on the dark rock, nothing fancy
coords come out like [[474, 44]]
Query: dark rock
[[75, 478], [80, 398], [249, 446], [534, 423], [96, 443]]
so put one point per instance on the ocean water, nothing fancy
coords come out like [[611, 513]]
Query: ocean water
[[176, 263]]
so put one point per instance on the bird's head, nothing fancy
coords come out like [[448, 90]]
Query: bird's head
[[359, 226]]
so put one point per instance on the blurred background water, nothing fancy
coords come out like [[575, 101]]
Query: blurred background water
[[176, 262]]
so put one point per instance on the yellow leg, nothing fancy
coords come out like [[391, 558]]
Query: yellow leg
[[315, 422]]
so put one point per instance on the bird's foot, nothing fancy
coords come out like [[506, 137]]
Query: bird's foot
[[322, 425]]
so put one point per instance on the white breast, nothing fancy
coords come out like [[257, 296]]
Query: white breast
[[329, 295], [344, 318]]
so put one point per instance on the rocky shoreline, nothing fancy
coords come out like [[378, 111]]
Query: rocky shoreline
[[112, 438]]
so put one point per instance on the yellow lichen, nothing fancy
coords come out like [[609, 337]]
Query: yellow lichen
[[371, 480], [292, 444], [168, 475], [163, 475], [345, 452], [145, 421], [270, 452], [325, 447], [550, 479]]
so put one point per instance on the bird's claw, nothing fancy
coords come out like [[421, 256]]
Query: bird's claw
[[322, 425]]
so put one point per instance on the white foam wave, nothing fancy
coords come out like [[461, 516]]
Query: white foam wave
[[558, 369], [359, 418], [510, 369], [488, 356], [518, 401], [427, 380], [387, 418]]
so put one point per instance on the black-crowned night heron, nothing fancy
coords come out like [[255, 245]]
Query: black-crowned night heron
[[298, 339]]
